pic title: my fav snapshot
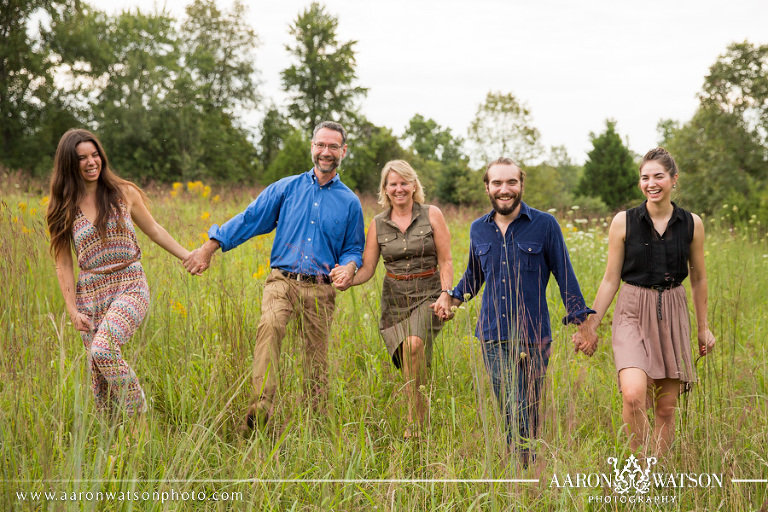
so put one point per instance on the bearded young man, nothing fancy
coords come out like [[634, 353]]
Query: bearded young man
[[320, 227], [513, 250]]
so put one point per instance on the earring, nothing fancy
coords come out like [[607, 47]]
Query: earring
[[674, 186]]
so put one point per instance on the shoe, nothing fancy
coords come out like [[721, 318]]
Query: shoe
[[256, 418]]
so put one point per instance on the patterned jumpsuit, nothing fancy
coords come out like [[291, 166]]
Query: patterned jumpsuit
[[112, 292]]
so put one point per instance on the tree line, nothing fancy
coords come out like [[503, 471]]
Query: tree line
[[169, 98]]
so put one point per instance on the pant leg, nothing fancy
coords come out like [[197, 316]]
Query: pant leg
[[501, 369], [318, 302], [531, 370], [113, 379], [277, 306]]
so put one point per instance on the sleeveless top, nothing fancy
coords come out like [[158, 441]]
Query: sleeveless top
[[651, 259], [411, 252], [118, 249]]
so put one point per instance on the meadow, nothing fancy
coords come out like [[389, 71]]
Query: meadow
[[193, 357]]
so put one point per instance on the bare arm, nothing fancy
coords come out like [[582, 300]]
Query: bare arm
[[586, 337], [698, 273], [443, 246], [612, 277], [370, 262], [144, 220], [66, 275]]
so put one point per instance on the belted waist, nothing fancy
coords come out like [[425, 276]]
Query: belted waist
[[116, 268], [409, 277], [656, 287], [306, 278]]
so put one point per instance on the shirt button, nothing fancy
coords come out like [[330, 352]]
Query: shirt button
[[315, 204], [309, 239], [311, 222], [503, 298], [504, 316], [529, 249]]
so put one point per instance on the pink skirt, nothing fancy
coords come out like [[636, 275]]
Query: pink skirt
[[659, 347]]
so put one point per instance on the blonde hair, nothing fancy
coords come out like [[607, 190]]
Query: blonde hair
[[405, 170]]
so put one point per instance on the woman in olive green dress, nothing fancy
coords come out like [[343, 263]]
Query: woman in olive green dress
[[413, 240]]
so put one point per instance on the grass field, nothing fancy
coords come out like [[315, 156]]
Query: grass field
[[193, 357]]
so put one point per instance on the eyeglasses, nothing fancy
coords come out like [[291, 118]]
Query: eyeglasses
[[321, 146]]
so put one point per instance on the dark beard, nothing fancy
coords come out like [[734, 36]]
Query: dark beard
[[334, 166], [505, 211]]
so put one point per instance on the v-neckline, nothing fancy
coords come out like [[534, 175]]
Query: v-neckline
[[91, 222]]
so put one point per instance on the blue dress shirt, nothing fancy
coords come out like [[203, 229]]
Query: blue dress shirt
[[317, 227], [515, 269]]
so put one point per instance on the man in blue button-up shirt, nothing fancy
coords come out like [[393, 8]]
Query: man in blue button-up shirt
[[513, 250], [319, 225]]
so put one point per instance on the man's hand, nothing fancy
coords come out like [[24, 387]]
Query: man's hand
[[199, 260], [341, 277]]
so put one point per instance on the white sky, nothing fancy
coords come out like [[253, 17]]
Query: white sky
[[573, 63]]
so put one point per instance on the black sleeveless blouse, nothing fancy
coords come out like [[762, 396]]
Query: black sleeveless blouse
[[651, 259]]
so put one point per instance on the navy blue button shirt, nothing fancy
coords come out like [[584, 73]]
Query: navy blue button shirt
[[317, 227], [515, 269]]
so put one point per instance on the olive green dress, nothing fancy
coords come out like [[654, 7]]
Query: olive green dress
[[405, 303]]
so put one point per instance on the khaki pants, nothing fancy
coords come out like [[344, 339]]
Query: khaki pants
[[313, 305]]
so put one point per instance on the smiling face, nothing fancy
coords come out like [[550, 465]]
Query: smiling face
[[328, 149], [655, 182], [399, 190], [504, 188], [89, 161]]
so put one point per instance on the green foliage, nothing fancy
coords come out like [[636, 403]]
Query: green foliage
[[370, 147], [721, 151], [319, 83], [275, 128], [442, 165], [33, 112], [610, 172], [503, 127], [294, 158]]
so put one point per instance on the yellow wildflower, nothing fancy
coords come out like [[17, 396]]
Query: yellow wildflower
[[205, 215], [177, 185], [216, 198], [44, 200], [22, 206], [206, 191]]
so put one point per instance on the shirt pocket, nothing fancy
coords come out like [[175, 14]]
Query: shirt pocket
[[531, 256], [334, 226], [483, 253]]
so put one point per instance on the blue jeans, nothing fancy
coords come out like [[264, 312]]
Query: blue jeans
[[517, 382]]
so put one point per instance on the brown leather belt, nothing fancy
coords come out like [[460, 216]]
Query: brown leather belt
[[409, 277]]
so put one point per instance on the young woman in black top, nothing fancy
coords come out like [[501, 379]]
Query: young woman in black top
[[653, 248]]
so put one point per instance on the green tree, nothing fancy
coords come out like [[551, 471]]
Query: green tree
[[319, 83], [275, 129], [370, 147], [294, 158], [609, 172], [722, 152], [503, 126], [31, 110]]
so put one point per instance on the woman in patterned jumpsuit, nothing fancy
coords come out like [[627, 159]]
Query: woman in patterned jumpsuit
[[92, 210]]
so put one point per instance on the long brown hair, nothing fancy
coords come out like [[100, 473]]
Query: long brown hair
[[68, 189]]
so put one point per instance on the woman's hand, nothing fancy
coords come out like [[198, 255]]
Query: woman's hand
[[706, 342], [81, 322]]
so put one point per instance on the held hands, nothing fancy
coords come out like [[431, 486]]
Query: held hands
[[706, 342], [585, 339], [197, 261], [341, 277], [444, 306]]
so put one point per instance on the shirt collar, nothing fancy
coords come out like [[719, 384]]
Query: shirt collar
[[525, 210], [313, 177], [677, 213]]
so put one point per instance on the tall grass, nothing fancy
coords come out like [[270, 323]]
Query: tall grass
[[193, 357]]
